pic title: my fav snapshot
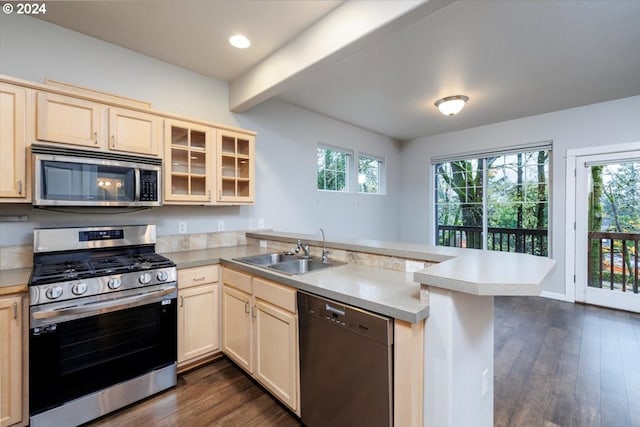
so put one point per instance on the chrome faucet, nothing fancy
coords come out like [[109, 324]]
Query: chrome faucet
[[303, 247], [325, 252]]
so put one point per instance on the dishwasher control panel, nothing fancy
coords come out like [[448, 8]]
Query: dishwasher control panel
[[374, 326]]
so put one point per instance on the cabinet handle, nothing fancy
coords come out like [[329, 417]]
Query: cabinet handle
[[219, 194], [198, 279], [95, 137], [20, 186], [113, 141], [15, 310], [209, 193], [246, 307], [253, 311], [181, 301]]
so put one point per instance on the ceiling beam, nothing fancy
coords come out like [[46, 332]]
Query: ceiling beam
[[348, 28]]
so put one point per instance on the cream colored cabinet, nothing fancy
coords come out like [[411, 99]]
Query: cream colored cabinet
[[76, 121], [276, 349], [260, 332], [189, 162], [13, 144], [11, 369], [134, 132], [235, 168], [69, 120], [198, 314], [237, 324]]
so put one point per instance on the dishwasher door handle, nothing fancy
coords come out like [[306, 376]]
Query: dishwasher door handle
[[334, 310]]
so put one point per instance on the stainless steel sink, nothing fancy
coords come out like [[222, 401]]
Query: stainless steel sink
[[289, 264], [300, 266], [267, 259]]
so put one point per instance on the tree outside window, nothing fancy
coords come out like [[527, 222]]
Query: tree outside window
[[496, 202], [333, 169], [369, 170]]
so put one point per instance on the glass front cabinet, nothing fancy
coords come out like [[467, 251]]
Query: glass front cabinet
[[188, 162], [236, 169]]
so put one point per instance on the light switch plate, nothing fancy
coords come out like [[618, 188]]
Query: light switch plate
[[221, 225]]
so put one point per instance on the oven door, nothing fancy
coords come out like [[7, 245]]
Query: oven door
[[77, 357]]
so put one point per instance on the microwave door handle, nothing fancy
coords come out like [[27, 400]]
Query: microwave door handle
[[137, 190]]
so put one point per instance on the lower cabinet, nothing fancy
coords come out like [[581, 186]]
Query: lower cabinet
[[11, 367], [260, 332], [198, 314]]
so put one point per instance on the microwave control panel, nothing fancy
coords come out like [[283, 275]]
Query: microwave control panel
[[148, 186]]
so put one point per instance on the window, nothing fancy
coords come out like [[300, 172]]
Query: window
[[333, 169], [369, 174], [496, 201]]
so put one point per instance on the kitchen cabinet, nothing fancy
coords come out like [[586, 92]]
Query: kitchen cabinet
[[13, 143], [11, 368], [235, 167], [260, 332], [76, 121], [198, 314], [189, 162]]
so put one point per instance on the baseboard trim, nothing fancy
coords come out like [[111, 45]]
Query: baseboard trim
[[556, 295]]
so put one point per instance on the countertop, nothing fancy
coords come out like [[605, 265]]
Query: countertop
[[14, 281], [387, 292], [473, 271]]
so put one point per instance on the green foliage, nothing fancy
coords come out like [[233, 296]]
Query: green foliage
[[368, 175], [332, 170]]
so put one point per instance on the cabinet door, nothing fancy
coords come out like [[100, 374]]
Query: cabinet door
[[276, 362], [13, 161], [237, 328], [188, 166], [10, 361], [69, 120], [198, 322], [236, 169], [134, 132]]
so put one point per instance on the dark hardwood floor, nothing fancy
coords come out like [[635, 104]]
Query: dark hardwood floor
[[556, 364]]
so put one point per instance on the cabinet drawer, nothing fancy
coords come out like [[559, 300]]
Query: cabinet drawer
[[198, 276], [282, 296], [237, 280]]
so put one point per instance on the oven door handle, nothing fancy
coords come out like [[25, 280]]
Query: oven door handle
[[106, 306]]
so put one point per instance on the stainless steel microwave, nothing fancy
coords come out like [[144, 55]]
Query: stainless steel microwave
[[70, 177]]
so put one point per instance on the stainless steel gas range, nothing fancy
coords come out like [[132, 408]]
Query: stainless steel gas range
[[103, 322]]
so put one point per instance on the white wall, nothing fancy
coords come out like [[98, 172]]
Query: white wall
[[286, 197], [605, 123]]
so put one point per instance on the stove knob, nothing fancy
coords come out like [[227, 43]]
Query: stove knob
[[163, 276], [54, 292], [145, 278], [114, 283], [79, 288]]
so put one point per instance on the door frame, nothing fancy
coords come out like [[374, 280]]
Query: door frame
[[573, 158]]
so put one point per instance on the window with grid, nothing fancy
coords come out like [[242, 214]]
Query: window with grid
[[370, 174], [495, 201], [333, 169]]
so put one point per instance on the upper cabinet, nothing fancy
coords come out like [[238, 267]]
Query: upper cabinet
[[235, 168], [134, 131], [13, 143], [69, 120], [188, 162], [77, 121]]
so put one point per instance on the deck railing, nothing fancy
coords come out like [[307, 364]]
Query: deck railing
[[523, 240], [614, 261]]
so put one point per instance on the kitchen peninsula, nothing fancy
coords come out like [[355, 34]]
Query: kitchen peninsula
[[443, 313]]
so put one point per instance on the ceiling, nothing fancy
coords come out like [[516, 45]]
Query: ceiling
[[513, 59]]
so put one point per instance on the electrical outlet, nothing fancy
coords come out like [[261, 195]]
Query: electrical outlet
[[221, 225], [182, 227], [263, 243], [413, 266], [261, 223], [485, 382]]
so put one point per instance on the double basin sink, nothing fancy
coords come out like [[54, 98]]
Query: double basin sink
[[287, 263]]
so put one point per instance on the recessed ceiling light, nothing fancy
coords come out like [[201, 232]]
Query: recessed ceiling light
[[239, 41]]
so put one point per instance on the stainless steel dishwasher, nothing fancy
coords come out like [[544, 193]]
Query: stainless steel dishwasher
[[346, 365]]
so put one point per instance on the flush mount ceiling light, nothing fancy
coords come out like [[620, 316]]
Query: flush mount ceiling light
[[451, 105], [239, 41]]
